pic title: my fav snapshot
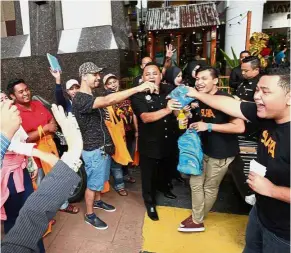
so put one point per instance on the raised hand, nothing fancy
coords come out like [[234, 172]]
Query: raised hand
[[10, 119], [71, 131], [170, 50], [56, 75]]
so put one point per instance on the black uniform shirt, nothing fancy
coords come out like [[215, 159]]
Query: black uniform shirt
[[247, 88], [155, 138]]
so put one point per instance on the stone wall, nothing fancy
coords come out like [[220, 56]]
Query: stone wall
[[35, 69]]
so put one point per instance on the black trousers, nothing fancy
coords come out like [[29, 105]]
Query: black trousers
[[155, 175]]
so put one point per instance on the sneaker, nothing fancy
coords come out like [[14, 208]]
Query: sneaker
[[97, 223], [190, 226], [186, 221], [104, 206]]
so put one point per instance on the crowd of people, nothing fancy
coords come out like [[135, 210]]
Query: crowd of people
[[106, 130]]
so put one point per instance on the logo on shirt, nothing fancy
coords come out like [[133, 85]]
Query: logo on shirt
[[207, 113], [269, 143]]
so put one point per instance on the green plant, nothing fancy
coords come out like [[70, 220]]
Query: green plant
[[232, 63], [134, 71]]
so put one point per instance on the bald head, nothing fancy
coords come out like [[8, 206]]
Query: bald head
[[145, 61]]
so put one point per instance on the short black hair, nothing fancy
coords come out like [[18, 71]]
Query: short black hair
[[151, 64], [254, 60], [12, 83], [244, 52], [284, 76], [213, 71]]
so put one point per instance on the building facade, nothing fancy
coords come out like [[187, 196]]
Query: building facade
[[74, 31]]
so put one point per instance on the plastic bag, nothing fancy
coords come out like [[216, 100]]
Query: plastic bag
[[180, 93], [191, 154]]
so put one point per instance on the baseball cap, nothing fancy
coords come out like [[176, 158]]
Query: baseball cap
[[89, 68], [70, 83], [105, 78]]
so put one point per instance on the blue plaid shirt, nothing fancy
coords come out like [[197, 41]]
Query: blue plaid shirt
[[4, 146]]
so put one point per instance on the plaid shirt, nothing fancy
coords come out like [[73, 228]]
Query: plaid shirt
[[4, 146]]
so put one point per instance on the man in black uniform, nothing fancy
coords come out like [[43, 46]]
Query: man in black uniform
[[268, 229], [250, 68], [236, 76], [155, 131]]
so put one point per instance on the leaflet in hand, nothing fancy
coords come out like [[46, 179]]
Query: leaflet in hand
[[54, 63], [258, 168]]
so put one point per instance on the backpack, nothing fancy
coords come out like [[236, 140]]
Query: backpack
[[191, 154]]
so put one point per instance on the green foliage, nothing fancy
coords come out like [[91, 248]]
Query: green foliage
[[134, 71], [232, 63]]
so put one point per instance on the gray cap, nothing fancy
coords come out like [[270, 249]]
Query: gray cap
[[89, 68]]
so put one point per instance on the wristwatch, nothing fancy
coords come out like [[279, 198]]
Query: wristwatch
[[72, 162], [209, 127]]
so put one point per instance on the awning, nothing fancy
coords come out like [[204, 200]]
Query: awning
[[183, 16]]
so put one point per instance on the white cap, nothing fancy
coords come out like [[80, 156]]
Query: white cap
[[105, 78], [70, 83]]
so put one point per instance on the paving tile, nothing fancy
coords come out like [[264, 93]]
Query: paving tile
[[75, 226], [114, 248], [66, 243], [94, 247], [61, 219]]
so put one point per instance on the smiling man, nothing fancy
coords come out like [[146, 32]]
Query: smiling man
[[156, 137], [268, 228], [220, 146], [98, 145]]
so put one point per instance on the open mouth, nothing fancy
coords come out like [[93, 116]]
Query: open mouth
[[260, 106]]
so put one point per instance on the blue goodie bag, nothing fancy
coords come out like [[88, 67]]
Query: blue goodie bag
[[191, 154], [180, 93]]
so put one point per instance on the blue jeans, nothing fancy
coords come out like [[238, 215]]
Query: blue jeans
[[117, 173], [261, 240], [97, 166], [16, 201]]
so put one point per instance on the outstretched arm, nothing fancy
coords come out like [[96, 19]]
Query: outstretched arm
[[116, 97], [225, 104]]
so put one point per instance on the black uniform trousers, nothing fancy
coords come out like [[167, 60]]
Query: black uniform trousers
[[155, 175]]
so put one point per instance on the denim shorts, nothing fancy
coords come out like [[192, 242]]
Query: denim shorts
[[97, 166]]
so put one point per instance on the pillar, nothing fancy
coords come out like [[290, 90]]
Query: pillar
[[235, 34], [43, 34]]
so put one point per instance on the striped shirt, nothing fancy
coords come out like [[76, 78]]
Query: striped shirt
[[4, 146]]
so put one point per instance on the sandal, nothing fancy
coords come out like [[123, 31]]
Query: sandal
[[70, 209], [130, 179], [122, 192]]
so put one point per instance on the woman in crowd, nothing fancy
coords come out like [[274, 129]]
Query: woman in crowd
[[124, 112]]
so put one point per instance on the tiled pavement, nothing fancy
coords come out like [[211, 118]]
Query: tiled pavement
[[124, 235], [72, 235]]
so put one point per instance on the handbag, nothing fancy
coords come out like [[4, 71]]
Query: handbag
[[117, 133], [46, 144]]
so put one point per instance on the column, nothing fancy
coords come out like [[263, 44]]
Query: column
[[235, 33], [43, 34]]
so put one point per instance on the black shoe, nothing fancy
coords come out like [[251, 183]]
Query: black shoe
[[104, 206], [152, 213], [170, 195], [95, 222]]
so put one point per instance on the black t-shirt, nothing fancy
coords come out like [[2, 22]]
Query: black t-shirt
[[214, 144], [91, 122], [247, 88], [274, 153], [155, 139]]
